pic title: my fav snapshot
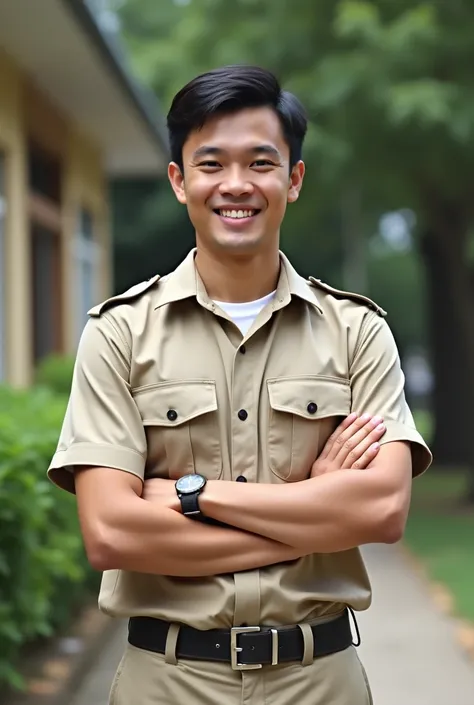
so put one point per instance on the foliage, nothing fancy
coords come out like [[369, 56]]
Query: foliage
[[440, 532], [153, 232], [55, 373], [387, 85], [43, 570]]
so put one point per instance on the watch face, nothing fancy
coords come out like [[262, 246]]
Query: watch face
[[190, 483]]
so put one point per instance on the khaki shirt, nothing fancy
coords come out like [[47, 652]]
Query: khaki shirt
[[312, 356]]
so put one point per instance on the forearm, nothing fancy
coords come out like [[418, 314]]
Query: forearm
[[144, 538], [334, 512]]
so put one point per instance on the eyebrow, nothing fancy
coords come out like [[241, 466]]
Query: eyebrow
[[208, 151]]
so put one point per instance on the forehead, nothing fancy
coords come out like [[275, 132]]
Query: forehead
[[241, 130]]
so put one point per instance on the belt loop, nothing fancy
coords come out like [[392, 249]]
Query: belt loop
[[308, 641], [356, 626], [171, 641]]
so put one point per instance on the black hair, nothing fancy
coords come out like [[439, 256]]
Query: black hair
[[228, 90]]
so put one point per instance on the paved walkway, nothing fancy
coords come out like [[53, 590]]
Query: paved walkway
[[408, 647]]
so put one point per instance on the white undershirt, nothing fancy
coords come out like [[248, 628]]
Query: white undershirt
[[244, 314]]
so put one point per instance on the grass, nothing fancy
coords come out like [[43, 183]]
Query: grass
[[424, 423], [440, 532]]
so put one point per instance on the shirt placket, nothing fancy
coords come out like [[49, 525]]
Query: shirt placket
[[245, 384], [244, 448]]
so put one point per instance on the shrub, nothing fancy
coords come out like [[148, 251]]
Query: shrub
[[43, 569], [55, 373]]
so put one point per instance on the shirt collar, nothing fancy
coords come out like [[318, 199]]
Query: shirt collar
[[180, 284], [185, 283], [292, 284]]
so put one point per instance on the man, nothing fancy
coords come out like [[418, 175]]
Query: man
[[222, 435]]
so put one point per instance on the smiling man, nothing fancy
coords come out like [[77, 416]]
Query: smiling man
[[235, 433]]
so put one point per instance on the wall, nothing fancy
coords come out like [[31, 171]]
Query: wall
[[17, 290], [85, 186], [25, 111]]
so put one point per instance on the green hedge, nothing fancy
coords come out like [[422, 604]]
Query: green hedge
[[44, 574], [55, 373]]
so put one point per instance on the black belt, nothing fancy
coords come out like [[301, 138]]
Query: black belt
[[242, 647]]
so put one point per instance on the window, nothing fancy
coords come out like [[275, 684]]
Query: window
[[44, 173], [3, 211], [87, 257], [45, 233], [46, 288]]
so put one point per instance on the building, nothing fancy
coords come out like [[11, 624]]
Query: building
[[71, 119]]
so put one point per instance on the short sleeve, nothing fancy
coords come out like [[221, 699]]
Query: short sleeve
[[102, 425], [377, 383]]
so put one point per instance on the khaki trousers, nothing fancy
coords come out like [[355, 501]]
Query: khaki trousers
[[146, 678]]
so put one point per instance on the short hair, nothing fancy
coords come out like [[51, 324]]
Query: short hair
[[228, 90]]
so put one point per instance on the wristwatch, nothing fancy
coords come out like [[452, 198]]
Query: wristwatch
[[188, 489]]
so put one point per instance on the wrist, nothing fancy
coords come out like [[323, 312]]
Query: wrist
[[206, 502]]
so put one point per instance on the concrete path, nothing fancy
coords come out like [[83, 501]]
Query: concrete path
[[408, 647]]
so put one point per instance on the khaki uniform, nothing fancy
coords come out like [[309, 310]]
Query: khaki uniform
[[311, 357]]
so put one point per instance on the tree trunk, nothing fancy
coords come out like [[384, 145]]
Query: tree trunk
[[445, 335], [449, 226]]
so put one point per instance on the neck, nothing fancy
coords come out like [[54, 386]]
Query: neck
[[238, 279]]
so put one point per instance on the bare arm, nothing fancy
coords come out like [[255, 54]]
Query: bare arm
[[123, 531], [333, 512]]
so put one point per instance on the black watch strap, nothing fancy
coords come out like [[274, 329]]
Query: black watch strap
[[190, 505]]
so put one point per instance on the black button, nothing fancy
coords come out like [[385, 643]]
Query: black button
[[312, 407], [242, 415], [241, 478], [243, 349], [172, 415]]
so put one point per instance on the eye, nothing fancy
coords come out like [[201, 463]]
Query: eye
[[209, 165], [259, 163]]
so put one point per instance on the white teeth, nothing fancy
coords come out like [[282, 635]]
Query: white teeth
[[237, 214]]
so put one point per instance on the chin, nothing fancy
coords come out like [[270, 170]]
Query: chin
[[242, 243]]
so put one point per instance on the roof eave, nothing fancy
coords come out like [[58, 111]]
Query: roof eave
[[146, 108]]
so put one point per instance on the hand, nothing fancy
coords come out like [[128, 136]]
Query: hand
[[161, 492], [354, 444]]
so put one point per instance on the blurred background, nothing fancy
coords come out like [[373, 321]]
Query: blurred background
[[387, 210]]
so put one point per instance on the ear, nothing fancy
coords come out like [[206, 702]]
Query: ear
[[176, 178], [296, 181]]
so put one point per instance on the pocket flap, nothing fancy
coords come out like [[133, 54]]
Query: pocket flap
[[174, 403], [310, 397]]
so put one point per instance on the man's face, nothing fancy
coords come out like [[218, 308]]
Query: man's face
[[237, 181]]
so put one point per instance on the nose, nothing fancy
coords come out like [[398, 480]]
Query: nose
[[235, 184]]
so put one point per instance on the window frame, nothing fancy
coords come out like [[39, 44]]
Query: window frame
[[45, 212], [86, 254]]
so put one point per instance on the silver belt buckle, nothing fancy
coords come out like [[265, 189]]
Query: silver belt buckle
[[235, 649]]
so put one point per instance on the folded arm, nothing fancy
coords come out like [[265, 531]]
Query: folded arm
[[123, 531], [334, 512], [343, 509]]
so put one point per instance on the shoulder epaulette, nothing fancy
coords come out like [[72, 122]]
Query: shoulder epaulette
[[132, 293], [341, 294]]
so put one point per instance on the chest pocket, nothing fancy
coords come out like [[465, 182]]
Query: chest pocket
[[182, 428], [303, 413]]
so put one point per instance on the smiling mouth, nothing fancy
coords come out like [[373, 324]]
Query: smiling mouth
[[237, 214]]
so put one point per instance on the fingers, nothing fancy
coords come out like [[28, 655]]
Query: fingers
[[352, 439], [346, 439], [329, 445], [360, 443], [366, 457], [356, 445]]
